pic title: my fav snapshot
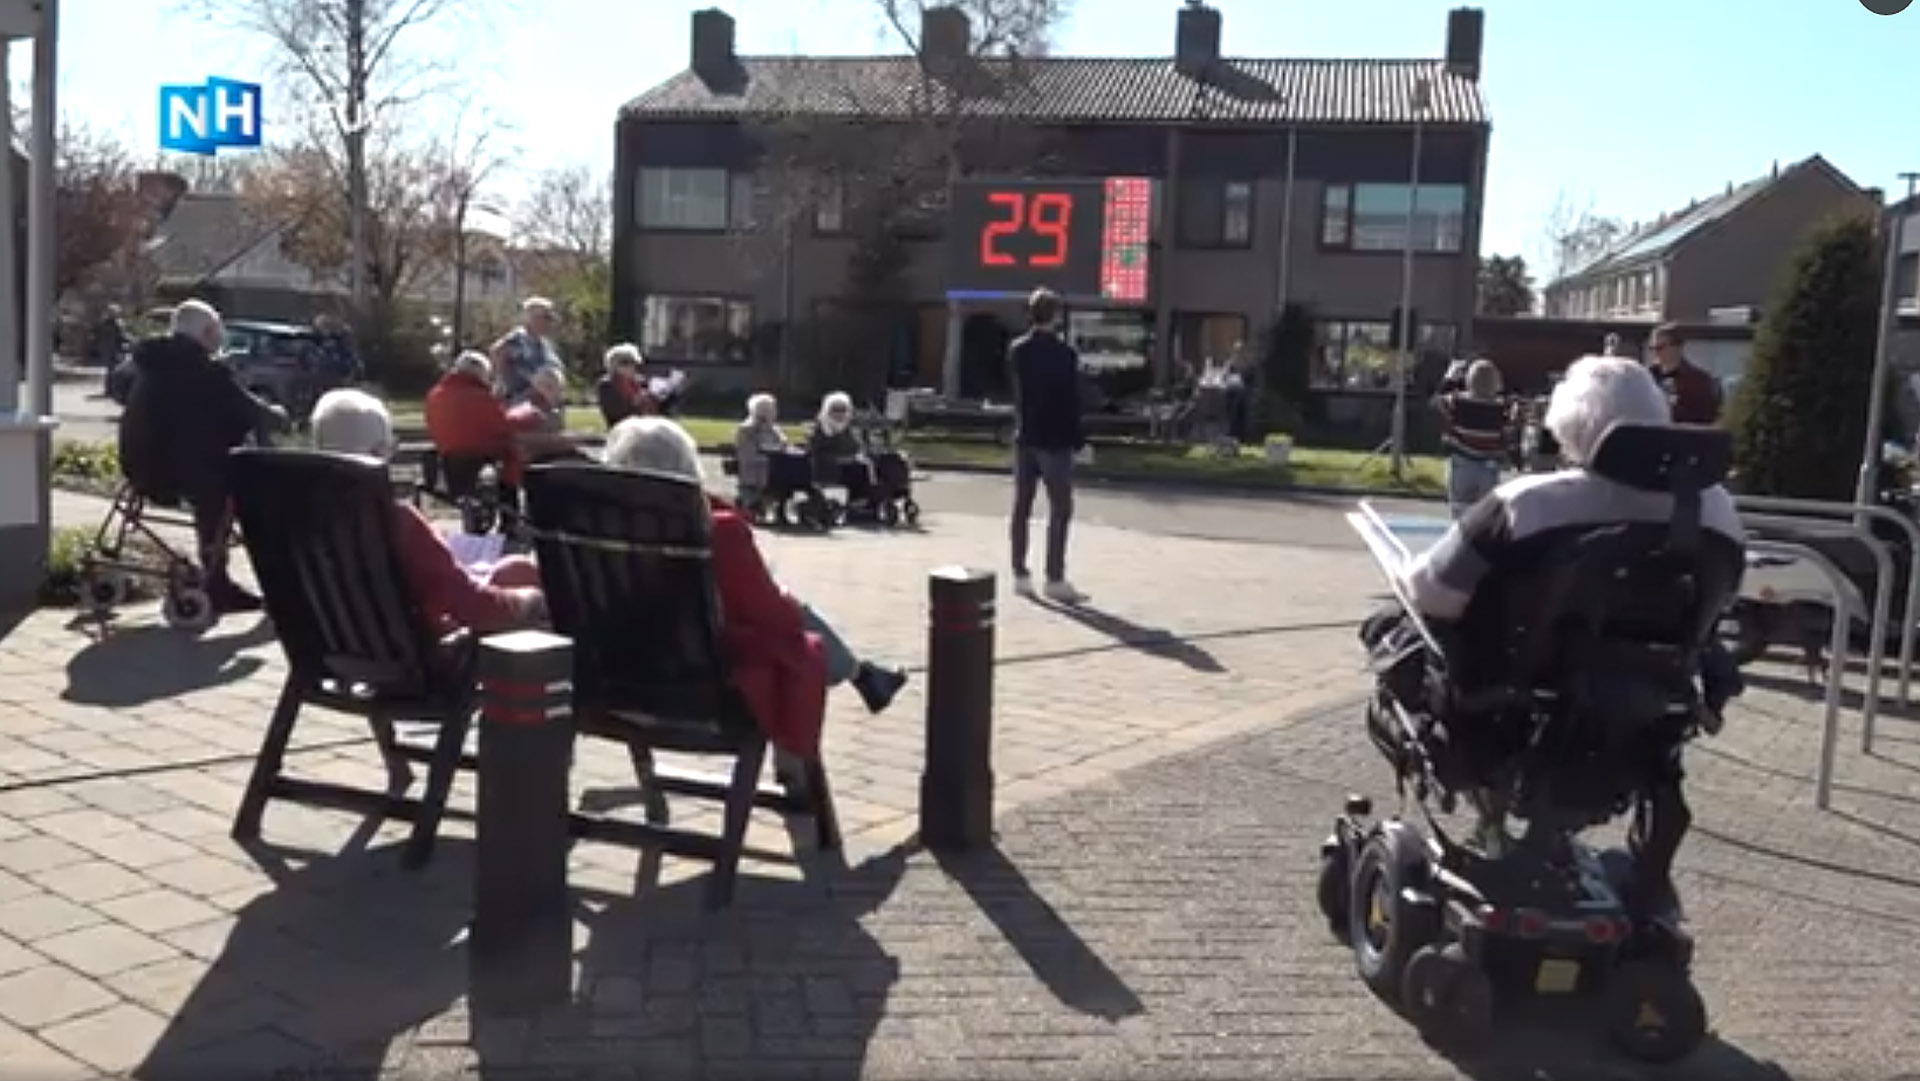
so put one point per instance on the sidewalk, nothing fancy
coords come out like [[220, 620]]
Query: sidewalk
[[1149, 913]]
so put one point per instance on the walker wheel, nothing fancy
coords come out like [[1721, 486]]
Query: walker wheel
[[889, 515], [910, 513], [1653, 1012], [187, 609], [185, 575], [1448, 997], [105, 591]]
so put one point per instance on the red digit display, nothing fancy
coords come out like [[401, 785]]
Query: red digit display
[[1048, 215], [1014, 206]]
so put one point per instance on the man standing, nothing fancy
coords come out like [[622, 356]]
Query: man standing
[[110, 344], [1046, 391], [1694, 394], [526, 349]]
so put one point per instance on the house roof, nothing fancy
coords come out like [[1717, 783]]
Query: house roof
[[1139, 90], [207, 232], [1660, 236]]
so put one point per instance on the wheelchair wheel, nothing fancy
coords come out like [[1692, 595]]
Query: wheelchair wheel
[[889, 515], [1653, 1012], [187, 609], [1448, 997], [1335, 888], [1383, 925], [910, 513]]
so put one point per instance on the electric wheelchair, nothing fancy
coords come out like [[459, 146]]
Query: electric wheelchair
[[1570, 710], [470, 484]]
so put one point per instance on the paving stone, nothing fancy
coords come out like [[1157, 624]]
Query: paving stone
[[36, 854], [43, 915], [17, 958], [28, 1057], [93, 881], [104, 949], [114, 1040], [49, 994], [158, 910]]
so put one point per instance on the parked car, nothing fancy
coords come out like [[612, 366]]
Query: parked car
[[279, 362]]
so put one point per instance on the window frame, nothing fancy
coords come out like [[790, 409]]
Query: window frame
[[1347, 193], [1425, 344], [737, 197], [1225, 186], [728, 301]]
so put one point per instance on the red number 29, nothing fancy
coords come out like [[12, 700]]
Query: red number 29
[[1050, 214]]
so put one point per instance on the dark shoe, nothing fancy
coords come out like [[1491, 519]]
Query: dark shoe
[[878, 686], [229, 599]]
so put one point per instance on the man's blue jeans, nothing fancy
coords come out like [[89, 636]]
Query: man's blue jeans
[[841, 662]]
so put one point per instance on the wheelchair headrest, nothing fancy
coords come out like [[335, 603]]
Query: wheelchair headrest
[[1678, 459]]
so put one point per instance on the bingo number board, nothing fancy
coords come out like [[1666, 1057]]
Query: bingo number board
[[1084, 239]]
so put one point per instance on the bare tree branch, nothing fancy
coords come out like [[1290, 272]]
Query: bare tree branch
[[570, 212]]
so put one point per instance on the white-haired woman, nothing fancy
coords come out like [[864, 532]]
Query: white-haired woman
[[783, 654], [754, 443], [621, 391], [502, 597], [836, 450], [1473, 429]]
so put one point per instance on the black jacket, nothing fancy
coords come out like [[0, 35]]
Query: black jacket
[[184, 412], [1046, 391]]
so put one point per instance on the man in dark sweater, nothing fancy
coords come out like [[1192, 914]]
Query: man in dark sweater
[[1691, 390], [1046, 390]]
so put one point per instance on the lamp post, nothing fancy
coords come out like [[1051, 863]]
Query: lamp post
[[1891, 227], [1422, 97]]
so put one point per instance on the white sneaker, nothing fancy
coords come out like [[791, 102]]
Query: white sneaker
[[1062, 592], [1023, 585]]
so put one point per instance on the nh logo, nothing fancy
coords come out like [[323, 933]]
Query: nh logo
[[203, 119]]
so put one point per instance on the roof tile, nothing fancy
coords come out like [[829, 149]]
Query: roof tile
[[1078, 90]]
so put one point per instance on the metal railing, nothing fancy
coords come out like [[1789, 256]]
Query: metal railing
[[1836, 649], [1862, 515]]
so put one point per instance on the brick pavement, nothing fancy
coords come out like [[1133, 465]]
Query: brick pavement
[[1149, 914]]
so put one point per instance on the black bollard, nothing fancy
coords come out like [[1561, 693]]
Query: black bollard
[[956, 785], [520, 952]]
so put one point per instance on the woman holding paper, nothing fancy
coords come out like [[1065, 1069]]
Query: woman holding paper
[[501, 596]]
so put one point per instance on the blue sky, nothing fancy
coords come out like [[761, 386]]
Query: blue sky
[[1636, 105]]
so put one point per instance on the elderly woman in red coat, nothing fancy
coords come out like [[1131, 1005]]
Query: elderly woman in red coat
[[784, 654]]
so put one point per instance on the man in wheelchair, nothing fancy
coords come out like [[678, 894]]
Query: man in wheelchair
[[1560, 649]]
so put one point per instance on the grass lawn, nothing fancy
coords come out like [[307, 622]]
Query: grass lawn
[[1310, 466]]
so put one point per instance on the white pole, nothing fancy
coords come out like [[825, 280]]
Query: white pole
[[1864, 492], [12, 364], [1401, 365], [40, 224]]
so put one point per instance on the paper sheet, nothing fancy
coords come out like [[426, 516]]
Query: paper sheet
[[476, 552]]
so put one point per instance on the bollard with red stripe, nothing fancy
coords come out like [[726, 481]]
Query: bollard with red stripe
[[520, 951], [956, 784]]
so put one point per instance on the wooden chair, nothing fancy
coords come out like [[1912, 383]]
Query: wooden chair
[[320, 532], [626, 561]]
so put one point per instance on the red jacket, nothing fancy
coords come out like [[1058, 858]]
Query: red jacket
[[779, 667], [464, 419], [449, 596]]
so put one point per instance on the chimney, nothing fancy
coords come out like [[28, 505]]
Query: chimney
[[1466, 29], [713, 57], [1196, 43], [946, 39]]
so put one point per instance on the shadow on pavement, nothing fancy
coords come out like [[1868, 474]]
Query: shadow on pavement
[[1057, 956], [1541, 1046], [1152, 641], [130, 667], [322, 974], [786, 978]]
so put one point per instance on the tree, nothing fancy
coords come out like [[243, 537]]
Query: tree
[[569, 213], [1573, 234], [1799, 414], [100, 214], [347, 58], [1505, 286], [461, 167]]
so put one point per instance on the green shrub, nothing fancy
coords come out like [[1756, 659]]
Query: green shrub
[[66, 554], [90, 462], [1799, 415]]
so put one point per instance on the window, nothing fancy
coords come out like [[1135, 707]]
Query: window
[[711, 329], [1216, 213], [830, 206], [1358, 354], [1373, 217], [1906, 282], [695, 200]]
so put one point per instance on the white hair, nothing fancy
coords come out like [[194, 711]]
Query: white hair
[[474, 362], [352, 422], [1596, 393], [654, 445], [624, 355], [1483, 379], [536, 306], [198, 320], [762, 407]]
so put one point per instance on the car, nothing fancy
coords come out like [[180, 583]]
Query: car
[[278, 362]]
